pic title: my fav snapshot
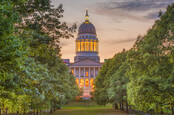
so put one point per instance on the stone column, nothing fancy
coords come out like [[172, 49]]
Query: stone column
[[84, 76], [79, 72], [94, 72], [79, 76], [89, 76], [74, 71]]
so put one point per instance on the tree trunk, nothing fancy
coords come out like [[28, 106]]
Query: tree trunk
[[120, 106], [6, 111], [51, 110], [172, 110], [34, 111], [37, 112], [17, 113], [0, 111], [127, 109], [116, 106], [24, 112], [161, 112]]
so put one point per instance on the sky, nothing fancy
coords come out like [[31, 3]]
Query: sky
[[117, 22]]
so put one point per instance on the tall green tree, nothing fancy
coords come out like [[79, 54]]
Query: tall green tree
[[151, 63], [32, 74], [104, 79], [100, 94], [12, 55], [143, 76], [117, 91]]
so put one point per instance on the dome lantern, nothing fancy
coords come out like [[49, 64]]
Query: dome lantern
[[87, 27], [86, 17]]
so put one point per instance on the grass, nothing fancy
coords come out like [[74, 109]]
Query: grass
[[82, 108]]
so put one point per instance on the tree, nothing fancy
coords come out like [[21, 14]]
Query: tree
[[100, 94], [143, 76], [104, 83], [151, 73], [31, 68], [117, 91]]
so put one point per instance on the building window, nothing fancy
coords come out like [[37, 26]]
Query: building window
[[78, 49], [77, 81], [91, 46], [87, 83], [95, 46], [72, 71], [87, 74], [91, 82], [87, 45], [81, 82], [82, 46]]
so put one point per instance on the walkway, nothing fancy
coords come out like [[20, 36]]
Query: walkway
[[88, 109]]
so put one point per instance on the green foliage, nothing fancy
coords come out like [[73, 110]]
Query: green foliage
[[117, 90], [151, 75], [143, 76], [32, 74], [100, 94], [114, 81]]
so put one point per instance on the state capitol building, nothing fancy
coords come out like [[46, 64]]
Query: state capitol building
[[86, 62]]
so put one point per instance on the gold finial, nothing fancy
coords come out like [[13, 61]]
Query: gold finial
[[87, 13], [87, 16]]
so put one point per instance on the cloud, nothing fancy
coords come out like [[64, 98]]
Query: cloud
[[121, 41], [152, 15], [139, 5], [117, 14], [139, 10]]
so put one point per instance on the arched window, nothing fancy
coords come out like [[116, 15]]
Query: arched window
[[82, 45], [95, 46], [87, 74], [87, 82], [81, 82], [97, 49], [77, 81], [87, 45], [72, 71], [91, 45], [79, 49], [91, 82]]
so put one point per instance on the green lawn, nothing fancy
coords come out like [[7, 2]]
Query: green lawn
[[87, 109]]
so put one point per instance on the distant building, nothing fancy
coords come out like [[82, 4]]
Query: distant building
[[66, 61], [86, 62]]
